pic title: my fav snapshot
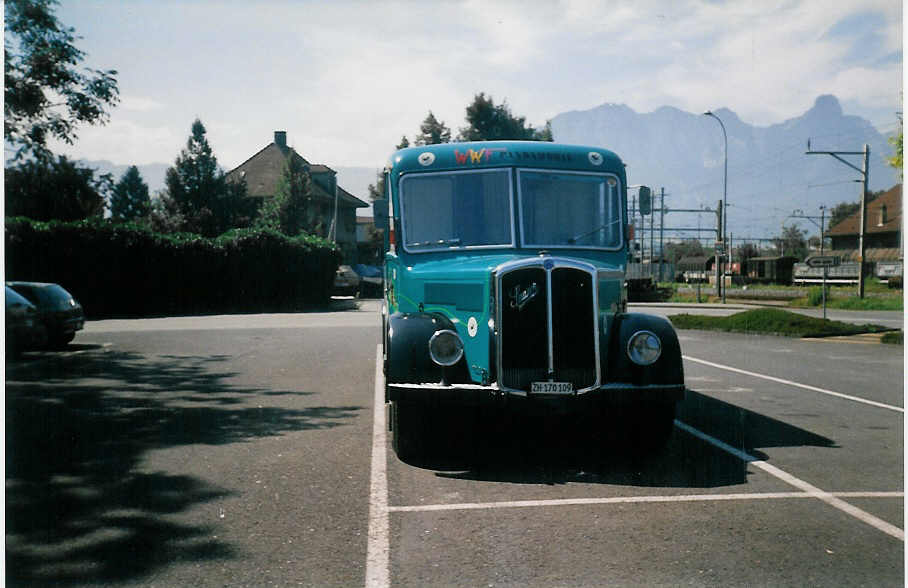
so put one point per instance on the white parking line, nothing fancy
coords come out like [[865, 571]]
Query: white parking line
[[808, 488], [796, 384], [378, 550], [633, 500], [378, 547]]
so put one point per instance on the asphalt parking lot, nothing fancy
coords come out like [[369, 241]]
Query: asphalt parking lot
[[249, 450], [785, 469]]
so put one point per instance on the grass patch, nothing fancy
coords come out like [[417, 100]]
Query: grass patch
[[893, 338], [771, 321], [855, 303], [852, 303]]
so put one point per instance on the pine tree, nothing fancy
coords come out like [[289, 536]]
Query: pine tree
[[487, 121], [432, 132], [129, 200], [198, 191]]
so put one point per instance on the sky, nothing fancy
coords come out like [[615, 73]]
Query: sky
[[346, 79]]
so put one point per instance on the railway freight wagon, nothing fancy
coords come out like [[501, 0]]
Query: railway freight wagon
[[845, 273], [770, 270], [691, 270]]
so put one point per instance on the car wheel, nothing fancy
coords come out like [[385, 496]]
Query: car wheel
[[61, 340]]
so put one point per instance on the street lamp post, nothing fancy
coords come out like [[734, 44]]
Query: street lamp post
[[724, 198]]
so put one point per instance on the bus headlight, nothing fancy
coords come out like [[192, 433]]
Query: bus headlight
[[445, 347], [644, 348]]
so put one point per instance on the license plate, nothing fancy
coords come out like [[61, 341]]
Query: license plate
[[551, 388]]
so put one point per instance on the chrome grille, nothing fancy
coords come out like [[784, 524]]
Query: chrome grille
[[547, 324]]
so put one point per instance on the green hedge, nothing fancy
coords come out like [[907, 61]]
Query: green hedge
[[124, 269]]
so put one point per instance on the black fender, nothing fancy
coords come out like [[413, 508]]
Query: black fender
[[408, 360], [668, 370]]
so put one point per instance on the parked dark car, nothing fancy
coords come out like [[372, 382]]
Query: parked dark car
[[24, 330], [372, 284], [58, 311], [346, 282]]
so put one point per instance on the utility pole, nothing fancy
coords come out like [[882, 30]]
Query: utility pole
[[716, 264], [652, 219], [798, 213], [661, 229], [865, 174]]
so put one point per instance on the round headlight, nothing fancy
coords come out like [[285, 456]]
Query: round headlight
[[644, 348], [445, 347]]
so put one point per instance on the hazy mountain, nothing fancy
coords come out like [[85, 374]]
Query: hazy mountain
[[769, 174]]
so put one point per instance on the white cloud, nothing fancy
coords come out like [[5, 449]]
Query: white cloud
[[346, 79], [139, 104], [123, 141]]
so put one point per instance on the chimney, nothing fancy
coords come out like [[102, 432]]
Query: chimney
[[280, 139]]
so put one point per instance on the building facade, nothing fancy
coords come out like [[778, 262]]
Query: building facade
[[883, 226], [262, 172]]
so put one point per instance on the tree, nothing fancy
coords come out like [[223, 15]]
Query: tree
[[432, 132], [896, 159], [843, 210], [291, 210], [792, 243], [674, 251], [45, 94], [129, 200], [377, 190], [545, 133], [404, 142], [487, 121], [46, 189], [198, 192], [747, 251]]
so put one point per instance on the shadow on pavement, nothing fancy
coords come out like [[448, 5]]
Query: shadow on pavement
[[79, 508], [527, 452]]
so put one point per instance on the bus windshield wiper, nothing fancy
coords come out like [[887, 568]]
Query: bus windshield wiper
[[573, 239]]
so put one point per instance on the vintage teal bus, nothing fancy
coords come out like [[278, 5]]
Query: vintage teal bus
[[505, 291]]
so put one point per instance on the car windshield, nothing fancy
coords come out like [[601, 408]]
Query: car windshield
[[14, 298], [562, 209], [456, 209]]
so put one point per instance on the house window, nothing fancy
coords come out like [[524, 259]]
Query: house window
[[884, 217]]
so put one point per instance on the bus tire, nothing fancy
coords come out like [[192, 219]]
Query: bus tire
[[408, 434]]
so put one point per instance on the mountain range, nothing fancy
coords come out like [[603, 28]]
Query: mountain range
[[769, 174]]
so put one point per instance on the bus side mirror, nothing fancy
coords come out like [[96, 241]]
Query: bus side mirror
[[380, 214]]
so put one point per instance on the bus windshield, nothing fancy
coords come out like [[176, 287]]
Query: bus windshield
[[456, 209], [564, 209]]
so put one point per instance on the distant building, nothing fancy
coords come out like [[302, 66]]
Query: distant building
[[883, 228], [368, 240], [882, 234], [263, 171]]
